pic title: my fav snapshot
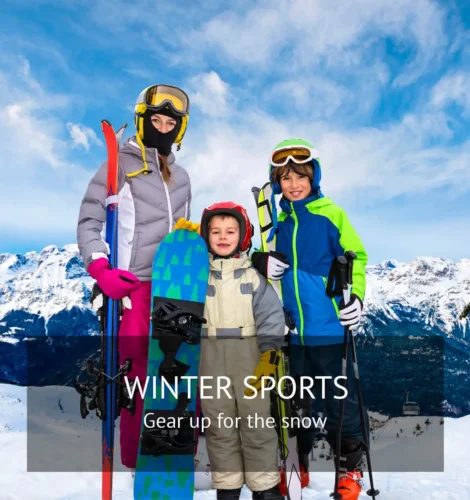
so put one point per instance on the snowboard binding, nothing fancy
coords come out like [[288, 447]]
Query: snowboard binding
[[92, 393], [175, 322], [173, 437]]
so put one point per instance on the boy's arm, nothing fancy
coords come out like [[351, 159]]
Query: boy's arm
[[349, 240], [268, 314]]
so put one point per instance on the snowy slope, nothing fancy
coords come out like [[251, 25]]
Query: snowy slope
[[78, 442]]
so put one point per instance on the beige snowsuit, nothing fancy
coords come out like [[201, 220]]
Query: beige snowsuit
[[244, 318]]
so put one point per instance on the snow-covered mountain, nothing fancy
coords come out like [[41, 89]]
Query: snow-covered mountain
[[42, 285], [44, 313], [429, 292], [45, 297]]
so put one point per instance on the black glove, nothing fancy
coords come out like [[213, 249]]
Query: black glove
[[271, 265]]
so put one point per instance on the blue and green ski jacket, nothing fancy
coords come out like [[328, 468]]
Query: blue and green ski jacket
[[312, 233]]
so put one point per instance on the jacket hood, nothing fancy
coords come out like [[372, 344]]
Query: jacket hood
[[229, 265], [300, 205]]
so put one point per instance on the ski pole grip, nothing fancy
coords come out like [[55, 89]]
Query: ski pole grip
[[342, 263], [350, 256]]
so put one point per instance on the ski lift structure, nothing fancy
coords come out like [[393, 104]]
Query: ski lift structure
[[410, 408]]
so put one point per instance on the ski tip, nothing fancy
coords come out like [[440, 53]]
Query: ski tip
[[105, 123], [120, 133]]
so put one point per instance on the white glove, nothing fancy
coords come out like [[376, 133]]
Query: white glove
[[271, 265], [351, 312], [276, 266]]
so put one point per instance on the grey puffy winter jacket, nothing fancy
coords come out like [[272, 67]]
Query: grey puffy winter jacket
[[148, 209]]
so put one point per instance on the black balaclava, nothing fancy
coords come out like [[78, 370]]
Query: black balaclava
[[155, 139]]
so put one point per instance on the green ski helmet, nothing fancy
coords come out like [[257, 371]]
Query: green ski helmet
[[300, 152]]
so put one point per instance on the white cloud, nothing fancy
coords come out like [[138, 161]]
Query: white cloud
[[31, 135], [82, 136], [301, 34], [228, 154], [211, 94], [314, 97], [385, 164], [366, 169], [454, 87], [141, 73], [44, 186], [428, 124], [326, 57], [250, 37]]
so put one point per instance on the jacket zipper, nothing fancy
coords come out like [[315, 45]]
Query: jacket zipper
[[296, 281], [170, 211]]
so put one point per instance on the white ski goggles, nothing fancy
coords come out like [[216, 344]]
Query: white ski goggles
[[299, 155]]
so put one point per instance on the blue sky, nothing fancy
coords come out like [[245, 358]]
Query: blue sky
[[381, 88]]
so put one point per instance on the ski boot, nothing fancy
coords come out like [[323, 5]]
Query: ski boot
[[350, 484], [271, 494], [351, 466], [229, 494]]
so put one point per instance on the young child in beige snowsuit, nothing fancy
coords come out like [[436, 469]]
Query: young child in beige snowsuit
[[242, 339]]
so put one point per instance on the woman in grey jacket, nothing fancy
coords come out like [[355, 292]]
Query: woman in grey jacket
[[154, 192]]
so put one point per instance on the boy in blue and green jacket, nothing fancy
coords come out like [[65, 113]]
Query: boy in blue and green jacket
[[310, 232]]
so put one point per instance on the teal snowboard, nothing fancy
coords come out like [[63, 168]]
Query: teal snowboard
[[165, 464]]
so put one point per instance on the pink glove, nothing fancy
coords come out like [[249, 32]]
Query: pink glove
[[115, 283]]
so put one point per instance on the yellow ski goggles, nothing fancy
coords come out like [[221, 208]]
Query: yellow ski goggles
[[156, 97], [299, 155]]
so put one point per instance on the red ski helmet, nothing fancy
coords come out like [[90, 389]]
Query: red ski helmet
[[234, 210]]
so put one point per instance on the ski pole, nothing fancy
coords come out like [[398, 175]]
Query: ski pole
[[342, 278], [372, 492]]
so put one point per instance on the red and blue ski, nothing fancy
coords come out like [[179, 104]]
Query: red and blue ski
[[109, 351], [104, 393]]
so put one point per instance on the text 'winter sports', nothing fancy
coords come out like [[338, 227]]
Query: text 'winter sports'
[[299, 387]]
